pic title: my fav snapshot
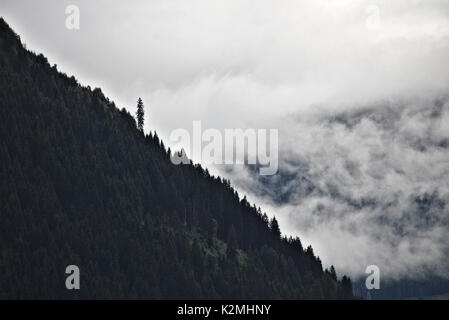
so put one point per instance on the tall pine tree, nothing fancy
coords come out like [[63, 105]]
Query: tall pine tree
[[140, 114]]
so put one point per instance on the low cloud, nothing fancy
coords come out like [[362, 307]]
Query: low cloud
[[367, 186]]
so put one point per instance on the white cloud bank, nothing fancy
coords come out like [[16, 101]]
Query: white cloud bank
[[366, 187]]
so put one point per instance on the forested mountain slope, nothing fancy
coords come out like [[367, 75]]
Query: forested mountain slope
[[79, 184]]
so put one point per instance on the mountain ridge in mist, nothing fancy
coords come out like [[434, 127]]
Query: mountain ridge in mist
[[82, 186]]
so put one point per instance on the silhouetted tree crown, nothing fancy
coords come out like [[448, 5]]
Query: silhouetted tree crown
[[274, 227], [140, 114]]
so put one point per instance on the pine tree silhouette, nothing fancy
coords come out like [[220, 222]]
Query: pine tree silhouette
[[140, 114], [274, 227]]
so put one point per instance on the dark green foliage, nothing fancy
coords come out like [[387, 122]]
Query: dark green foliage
[[347, 287], [274, 227], [333, 273], [232, 244], [79, 184], [140, 115]]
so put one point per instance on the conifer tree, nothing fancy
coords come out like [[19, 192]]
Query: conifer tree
[[274, 227], [140, 114], [333, 273]]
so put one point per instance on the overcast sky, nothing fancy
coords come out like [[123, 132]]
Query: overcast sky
[[296, 66]]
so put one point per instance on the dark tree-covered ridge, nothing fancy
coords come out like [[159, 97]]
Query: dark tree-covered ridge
[[79, 184]]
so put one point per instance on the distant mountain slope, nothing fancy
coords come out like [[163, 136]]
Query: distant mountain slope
[[79, 184]]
